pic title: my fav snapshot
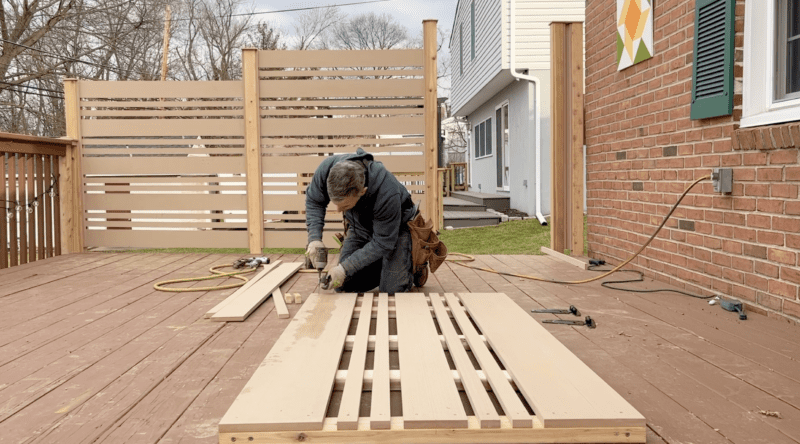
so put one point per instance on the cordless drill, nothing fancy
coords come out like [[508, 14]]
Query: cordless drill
[[320, 260]]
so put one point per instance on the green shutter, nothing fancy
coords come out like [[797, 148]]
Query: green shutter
[[712, 73]]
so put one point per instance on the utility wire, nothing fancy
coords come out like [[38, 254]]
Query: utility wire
[[62, 57], [279, 11], [34, 93], [32, 87], [183, 19]]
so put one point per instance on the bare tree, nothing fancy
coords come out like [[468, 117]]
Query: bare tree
[[265, 37], [312, 26], [369, 31]]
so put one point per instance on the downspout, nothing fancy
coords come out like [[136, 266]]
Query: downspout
[[536, 83]]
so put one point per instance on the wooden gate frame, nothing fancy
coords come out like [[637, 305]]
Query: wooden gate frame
[[73, 214]]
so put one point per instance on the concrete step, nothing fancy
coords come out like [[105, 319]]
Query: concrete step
[[461, 219], [453, 204], [494, 201]]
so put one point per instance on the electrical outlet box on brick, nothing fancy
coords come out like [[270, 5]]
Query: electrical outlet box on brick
[[722, 178]]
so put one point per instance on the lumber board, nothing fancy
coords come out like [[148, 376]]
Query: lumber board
[[471, 435], [267, 268], [429, 395], [566, 258], [562, 390], [280, 307], [313, 342], [478, 398], [380, 407], [512, 406], [351, 398], [240, 308]]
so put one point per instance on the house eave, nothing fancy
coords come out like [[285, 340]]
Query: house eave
[[500, 81]]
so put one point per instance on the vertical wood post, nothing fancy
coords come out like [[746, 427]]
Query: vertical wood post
[[70, 175], [252, 144], [431, 122], [567, 133]]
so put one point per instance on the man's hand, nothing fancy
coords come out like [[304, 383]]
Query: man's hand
[[311, 253], [337, 275]]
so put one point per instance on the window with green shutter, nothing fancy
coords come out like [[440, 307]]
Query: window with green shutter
[[712, 78]]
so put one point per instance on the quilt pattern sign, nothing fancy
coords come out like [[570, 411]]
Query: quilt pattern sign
[[634, 32]]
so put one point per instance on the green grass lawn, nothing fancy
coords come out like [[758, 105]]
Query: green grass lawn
[[512, 237]]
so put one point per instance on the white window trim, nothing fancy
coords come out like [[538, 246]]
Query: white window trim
[[759, 106], [506, 103], [491, 138]]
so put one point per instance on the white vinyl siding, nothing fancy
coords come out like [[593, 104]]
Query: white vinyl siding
[[488, 50], [533, 18]]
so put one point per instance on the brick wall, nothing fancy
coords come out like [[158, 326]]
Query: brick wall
[[643, 150]]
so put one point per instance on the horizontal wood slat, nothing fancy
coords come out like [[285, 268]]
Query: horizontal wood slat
[[361, 126], [297, 103], [162, 127], [166, 165], [341, 73], [188, 103], [344, 59], [380, 142], [367, 88], [170, 143], [173, 203], [159, 239], [157, 89], [308, 164]]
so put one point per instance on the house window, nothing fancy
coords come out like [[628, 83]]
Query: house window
[[473, 29], [771, 89], [787, 83], [483, 139]]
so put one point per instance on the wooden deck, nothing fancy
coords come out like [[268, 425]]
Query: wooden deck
[[89, 353]]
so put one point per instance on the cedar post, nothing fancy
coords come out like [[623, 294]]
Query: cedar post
[[252, 143], [567, 132], [431, 118], [70, 175]]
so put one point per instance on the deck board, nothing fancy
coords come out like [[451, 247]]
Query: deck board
[[98, 332]]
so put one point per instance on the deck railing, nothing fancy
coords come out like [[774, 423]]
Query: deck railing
[[30, 228]]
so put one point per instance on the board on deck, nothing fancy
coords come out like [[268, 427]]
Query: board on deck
[[440, 353], [241, 307], [267, 268]]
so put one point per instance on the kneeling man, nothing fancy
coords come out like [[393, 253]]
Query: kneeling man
[[376, 251]]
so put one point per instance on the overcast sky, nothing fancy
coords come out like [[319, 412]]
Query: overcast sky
[[409, 13]]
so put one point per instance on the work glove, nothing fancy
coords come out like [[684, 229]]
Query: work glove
[[337, 275], [311, 252]]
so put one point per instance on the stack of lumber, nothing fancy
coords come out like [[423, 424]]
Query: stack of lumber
[[239, 305], [520, 384]]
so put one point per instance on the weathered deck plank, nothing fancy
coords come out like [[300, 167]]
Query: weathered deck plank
[[97, 332]]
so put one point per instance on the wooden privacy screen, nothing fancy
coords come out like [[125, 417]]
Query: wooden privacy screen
[[455, 369], [318, 103], [163, 164], [226, 164]]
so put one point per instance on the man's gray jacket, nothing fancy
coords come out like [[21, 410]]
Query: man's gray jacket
[[377, 216]]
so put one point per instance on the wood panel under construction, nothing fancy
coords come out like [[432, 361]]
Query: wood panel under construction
[[469, 368]]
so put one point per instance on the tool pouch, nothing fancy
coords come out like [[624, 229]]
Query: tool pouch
[[426, 248]]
